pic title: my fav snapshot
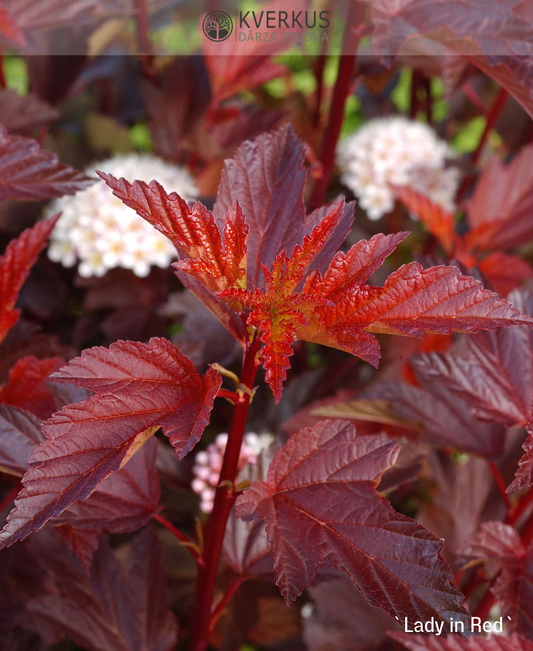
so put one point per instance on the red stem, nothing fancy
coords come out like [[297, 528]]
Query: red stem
[[491, 121], [3, 82], [501, 485], [9, 497], [225, 601], [414, 104], [492, 118], [226, 393], [143, 28], [482, 610], [514, 516], [224, 500], [185, 540], [352, 35]]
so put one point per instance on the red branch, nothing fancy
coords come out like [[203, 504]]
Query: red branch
[[514, 516], [9, 497], [143, 28], [500, 484], [219, 610], [184, 540], [224, 500], [492, 118], [352, 33]]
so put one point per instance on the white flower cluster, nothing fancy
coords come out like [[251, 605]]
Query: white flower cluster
[[396, 151], [101, 232], [208, 464]]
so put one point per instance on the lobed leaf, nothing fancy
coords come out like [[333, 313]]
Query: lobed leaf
[[494, 371], [524, 473], [24, 113], [31, 173], [119, 607], [439, 221], [139, 388], [19, 257], [321, 509], [27, 388], [500, 208], [336, 619], [500, 546], [442, 417], [494, 36]]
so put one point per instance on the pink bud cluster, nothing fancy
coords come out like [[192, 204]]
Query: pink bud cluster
[[208, 464]]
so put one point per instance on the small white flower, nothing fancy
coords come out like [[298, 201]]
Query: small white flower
[[208, 464], [99, 231], [396, 151]]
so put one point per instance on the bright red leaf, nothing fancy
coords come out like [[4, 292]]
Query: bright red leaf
[[322, 509], [19, 257], [267, 177], [139, 388], [27, 388], [297, 296], [31, 173], [439, 221], [9, 29]]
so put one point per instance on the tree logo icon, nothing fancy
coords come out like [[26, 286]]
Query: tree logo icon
[[217, 25]]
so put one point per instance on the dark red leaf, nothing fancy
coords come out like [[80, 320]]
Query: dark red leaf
[[461, 496], [27, 388], [524, 474], [420, 642], [499, 212], [83, 542], [19, 257], [501, 547], [494, 372], [125, 501], [20, 434], [119, 607], [246, 549], [322, 510], [38, 14], [237, 65], [442, 417], [139, 387], [494, 36], [341, 619], [24, 113], [31, 173]]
